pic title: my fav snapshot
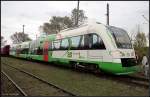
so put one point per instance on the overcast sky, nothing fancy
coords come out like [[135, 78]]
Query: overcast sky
[[124, 14]]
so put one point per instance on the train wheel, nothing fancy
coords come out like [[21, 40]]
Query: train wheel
[[97, 70]]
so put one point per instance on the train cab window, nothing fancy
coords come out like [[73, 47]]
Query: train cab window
[[75, 42], [64, 44], [56, 45], [121, 37]]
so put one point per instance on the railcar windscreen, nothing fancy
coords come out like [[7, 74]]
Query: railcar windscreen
[[121, 37]]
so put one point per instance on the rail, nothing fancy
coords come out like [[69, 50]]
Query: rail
[[42, 80], [18, 87]]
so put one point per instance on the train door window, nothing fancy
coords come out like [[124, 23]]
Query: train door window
[[75, 41], [64, 44], [56, 45], [97, 42], [101, 43], [93, 41], [34, 51], [50, 46], [81, 47], [86, 41]]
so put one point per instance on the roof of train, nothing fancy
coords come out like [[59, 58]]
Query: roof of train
[[77, 30]]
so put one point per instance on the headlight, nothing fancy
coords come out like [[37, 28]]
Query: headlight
[[116, 53], [132, 54]]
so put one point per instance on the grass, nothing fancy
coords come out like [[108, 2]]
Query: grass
[[32, 87], [78, 82]]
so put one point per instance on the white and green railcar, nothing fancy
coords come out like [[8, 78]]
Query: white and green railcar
[[94, 46]]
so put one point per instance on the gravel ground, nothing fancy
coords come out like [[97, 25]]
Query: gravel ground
[[8, 88]]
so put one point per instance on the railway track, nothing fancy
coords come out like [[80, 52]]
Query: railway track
[[129, 80], [138, 78], [126, 79], [135, 81], [42, 80], [17, 86]]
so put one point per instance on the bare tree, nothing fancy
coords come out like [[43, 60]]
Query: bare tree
[[3, 42], [19, 37], [81, 16], [57, 23], [140, 40]]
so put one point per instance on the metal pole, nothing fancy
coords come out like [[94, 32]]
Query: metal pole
[[107, 14], [23, 28], [23, 33], [77, 14], [145, 18], [138, 28], [36, 36]]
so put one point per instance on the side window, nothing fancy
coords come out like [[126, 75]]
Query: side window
[[95, 42], [32, 48], [95, 39], [21, 51], [64, 44], [75, 41], [39, 51], [27, 50], [35, 51], [56, 45]]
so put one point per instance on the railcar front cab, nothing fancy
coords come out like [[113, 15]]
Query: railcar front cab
[[123, 55]]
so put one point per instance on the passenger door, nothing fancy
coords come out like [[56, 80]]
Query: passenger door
[[45, 50], [96, 47]]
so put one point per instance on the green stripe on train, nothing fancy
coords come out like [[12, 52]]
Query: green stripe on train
[[109, 67], [37, 57]]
